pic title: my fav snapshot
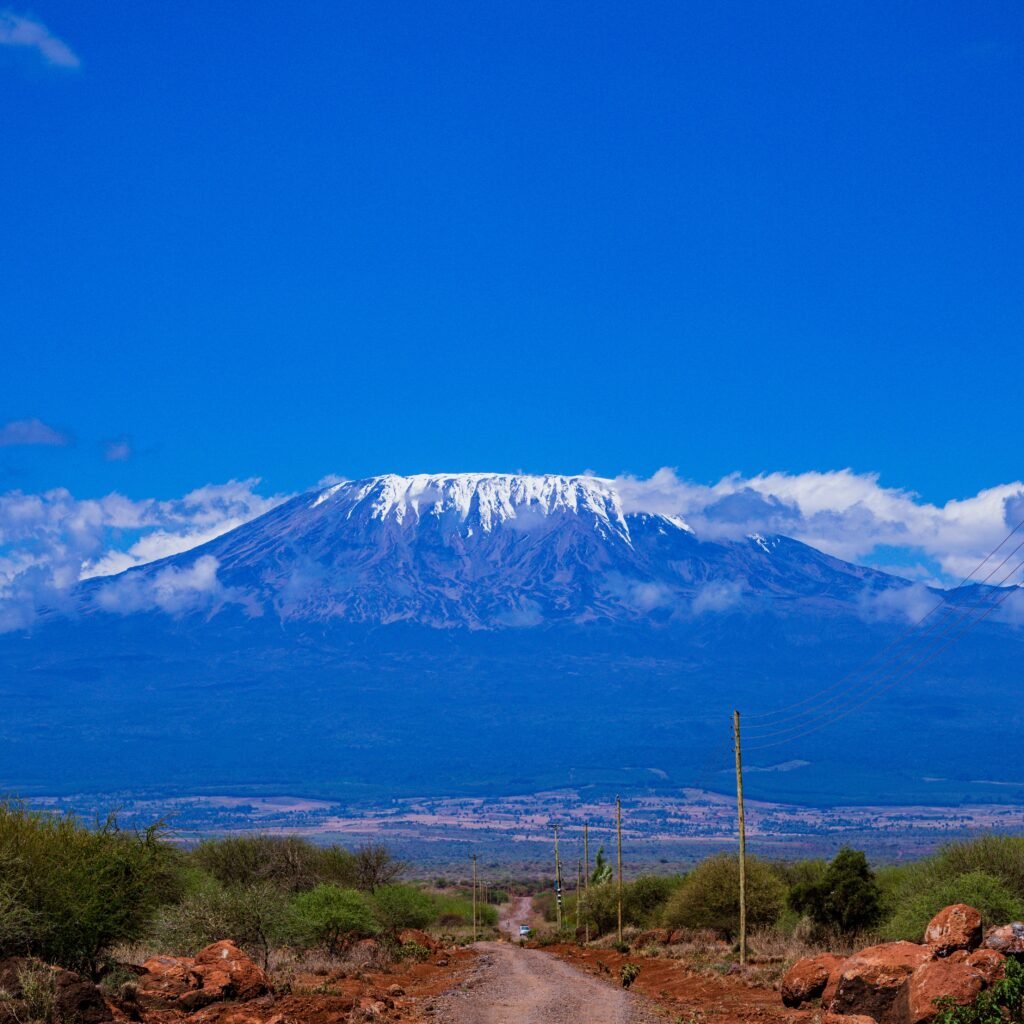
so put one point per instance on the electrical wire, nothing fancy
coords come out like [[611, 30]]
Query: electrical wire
[[898, 640], [845, 712]]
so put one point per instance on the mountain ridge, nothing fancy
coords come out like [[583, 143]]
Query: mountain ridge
[[485, 551]]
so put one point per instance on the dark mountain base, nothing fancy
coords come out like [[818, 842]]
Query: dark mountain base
[[144, 703]]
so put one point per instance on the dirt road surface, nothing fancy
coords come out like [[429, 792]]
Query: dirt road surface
[[518, 910], [511, 985]]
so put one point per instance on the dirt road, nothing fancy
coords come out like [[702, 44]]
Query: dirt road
[[511, 985], [518, 910]]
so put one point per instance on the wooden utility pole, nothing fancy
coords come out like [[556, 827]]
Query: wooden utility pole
[[586, 878], [558, 884], [743, 838], [474, 898], [579, 885], [618, 831]]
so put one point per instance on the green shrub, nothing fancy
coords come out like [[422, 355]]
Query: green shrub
[[846, 897], [402, 906], [290, 863], [919, 899], [35, 1001], [709, 896], [69, 893], [643, 903], [1001, 857], [412, 951], [332, 917], [452, 910], [1003, 1003]]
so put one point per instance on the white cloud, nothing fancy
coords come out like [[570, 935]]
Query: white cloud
[[49, 541], [16, 30], [846, 514], [170, 589], [31, 431], [910, 604], [718, 596]]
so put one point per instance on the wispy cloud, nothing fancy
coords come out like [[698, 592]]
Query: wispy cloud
[[118, 449], [31, 431], [50, 541], [18, 30]]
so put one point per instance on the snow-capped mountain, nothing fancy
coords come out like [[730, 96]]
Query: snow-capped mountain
[[491, 633], [485, 551]]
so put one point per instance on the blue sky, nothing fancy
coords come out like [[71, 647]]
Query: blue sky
[[357, 237]]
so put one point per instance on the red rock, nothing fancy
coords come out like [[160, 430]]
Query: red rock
[[225, 969], [871, 981], [220, 971], [955, 927], [933, 980], [167, 977], [414, 935], [847, 1018], [1007, 939], [807, 978], [833, 983], [990, 964]]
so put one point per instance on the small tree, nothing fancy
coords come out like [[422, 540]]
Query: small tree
[[375, 866], [332, 917], [846, 898], [402, 906], [709, 896], [255, 916]]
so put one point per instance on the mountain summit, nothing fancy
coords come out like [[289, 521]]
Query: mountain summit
[[488, 551]]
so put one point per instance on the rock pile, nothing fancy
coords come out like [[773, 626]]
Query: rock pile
[[898, 982], [220, 971]]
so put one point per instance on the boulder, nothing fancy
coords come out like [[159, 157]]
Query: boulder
[[833, 983], [222, 966], [872, 980], [807, 978], [1008, 939], [936, 979], [220, 971], [953, 928], [989, 963], [74, 998], [167, 977]]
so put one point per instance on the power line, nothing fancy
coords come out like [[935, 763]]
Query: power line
[[941, 627], [910, 671], [909, 631]]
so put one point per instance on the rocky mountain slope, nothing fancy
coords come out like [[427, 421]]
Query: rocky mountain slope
[[490, 551]]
